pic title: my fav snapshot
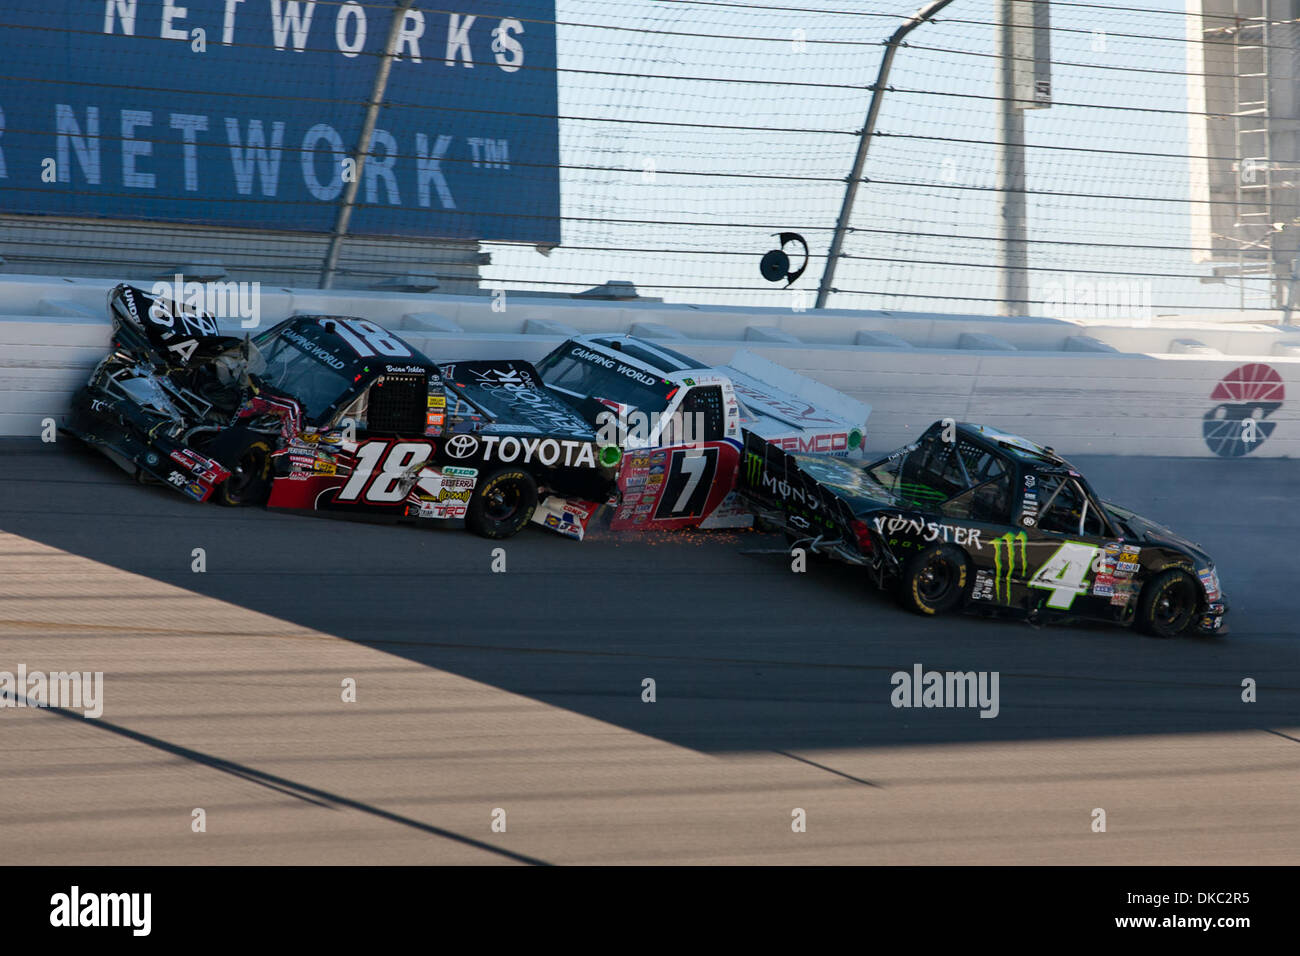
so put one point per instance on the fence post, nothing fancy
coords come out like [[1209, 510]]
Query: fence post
[[363, 146], [864, 143]]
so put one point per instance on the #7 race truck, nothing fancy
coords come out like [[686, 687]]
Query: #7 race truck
[[334, 414], [682, 424]]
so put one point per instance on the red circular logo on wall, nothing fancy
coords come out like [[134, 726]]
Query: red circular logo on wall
[[1247, 396]]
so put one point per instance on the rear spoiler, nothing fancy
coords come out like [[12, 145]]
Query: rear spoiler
[[762, 375]]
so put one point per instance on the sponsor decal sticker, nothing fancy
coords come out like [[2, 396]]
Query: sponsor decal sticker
[[1003, 574], [1210, 581], [928, 531], [830, 443], [461, 446]]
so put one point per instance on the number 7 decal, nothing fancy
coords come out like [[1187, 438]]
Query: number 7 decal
[[687, 484], [1064, 572]]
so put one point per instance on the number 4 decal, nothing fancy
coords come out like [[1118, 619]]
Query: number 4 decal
[[1064, 574]]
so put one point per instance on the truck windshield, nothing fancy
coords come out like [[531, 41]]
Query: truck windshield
[[909, 474], [586, 374], [932, 471], [306, 376]]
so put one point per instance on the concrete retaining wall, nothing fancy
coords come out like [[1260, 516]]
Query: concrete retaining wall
[[1081, 388]]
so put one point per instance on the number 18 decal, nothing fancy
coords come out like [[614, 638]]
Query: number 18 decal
[[1064, 574], [366, 338], [687, 484], [376, 478]]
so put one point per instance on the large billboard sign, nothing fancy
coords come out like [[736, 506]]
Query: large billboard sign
[[242, 113]]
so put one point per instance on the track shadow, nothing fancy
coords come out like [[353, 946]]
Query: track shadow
[[744, 653]]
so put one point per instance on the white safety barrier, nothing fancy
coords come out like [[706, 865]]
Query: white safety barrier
[[1230, 388]]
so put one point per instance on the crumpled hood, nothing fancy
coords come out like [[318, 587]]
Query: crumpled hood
[[514, 397], [1157, 534]]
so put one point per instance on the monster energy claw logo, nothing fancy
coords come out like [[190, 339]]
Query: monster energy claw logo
[[1009, 539], [753, 467]]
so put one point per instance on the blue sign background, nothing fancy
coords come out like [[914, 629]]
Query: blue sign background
[[460, 152]]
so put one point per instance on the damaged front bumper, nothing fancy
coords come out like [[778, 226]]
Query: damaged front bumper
[[1211, 618]]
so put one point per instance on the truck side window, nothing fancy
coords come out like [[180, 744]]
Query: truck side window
[[699, 417], [987, 501], [1063, 509], [1094, 524]]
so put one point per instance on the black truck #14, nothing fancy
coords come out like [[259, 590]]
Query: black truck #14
[[974, 518]]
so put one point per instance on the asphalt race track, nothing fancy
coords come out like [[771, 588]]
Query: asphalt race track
[[522, 691]]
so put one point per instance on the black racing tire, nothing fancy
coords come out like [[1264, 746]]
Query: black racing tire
[[502, 504], [934, 580], [250, 473], [1168, 604]]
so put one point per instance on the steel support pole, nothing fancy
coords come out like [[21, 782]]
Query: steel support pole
[[344, 217], [864, 143], [1013, 218]]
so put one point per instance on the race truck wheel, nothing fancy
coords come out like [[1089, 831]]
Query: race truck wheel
[[250, 474], [933, 580], [1168, 604], [502, 505]]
